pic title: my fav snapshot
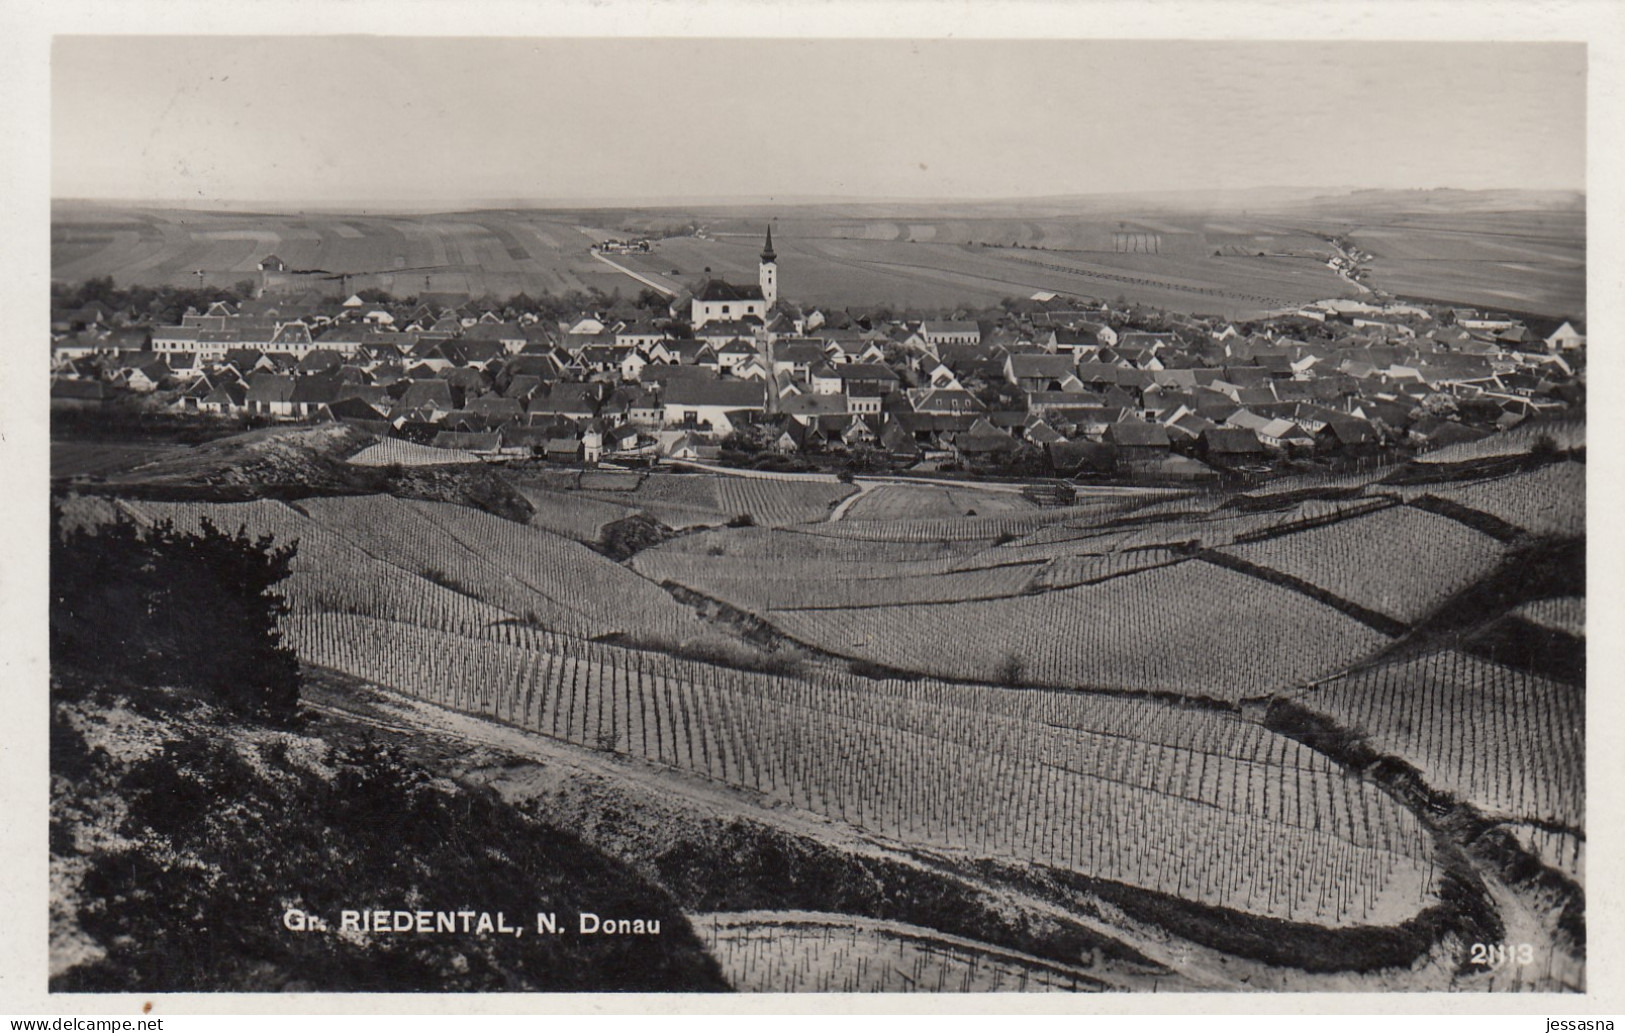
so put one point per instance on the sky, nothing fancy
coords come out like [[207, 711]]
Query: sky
[[347, 119]]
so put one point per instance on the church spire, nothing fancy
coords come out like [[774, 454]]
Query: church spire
[[767, 274]]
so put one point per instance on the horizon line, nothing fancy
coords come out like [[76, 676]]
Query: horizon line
[[798, 200]]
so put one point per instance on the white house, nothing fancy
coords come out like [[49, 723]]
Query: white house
[[708, 404], [632, 364], [1565, 338], [734, 354], [951, 332]]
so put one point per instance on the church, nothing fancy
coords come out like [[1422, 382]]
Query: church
[[718, 300]]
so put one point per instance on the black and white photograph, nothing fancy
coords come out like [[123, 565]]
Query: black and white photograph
[[876, 516]]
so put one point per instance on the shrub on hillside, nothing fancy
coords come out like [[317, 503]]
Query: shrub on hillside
[[165, 607]]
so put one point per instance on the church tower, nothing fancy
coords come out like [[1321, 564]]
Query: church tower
[[768, 275]]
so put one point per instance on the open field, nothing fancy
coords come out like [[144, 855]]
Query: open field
[[97, 459], [1229, 263], [1524, 261], [500, 252], [863, 271]]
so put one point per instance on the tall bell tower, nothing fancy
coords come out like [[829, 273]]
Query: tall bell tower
[[768, 274]]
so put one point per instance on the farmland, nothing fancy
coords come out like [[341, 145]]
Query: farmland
[[1399, 582], [1510, 743], [582, 503], [86, 459], [941, 766], [1206, 703], [772, 952], [1528, 255], [1549, 501], [499, 252], [1525, 261], [914, 501], [900, 273]]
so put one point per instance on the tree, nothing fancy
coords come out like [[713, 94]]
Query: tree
[[196, 611], [866, 459], [1440, 405]]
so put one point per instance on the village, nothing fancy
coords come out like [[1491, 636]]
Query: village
[[954, 506], [727, 372]]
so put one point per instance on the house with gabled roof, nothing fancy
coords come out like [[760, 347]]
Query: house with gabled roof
[[312, 394], [842, 345], [752, 368], [898, 443], [711, 404], [632, 364], [1137, 439], [941, 378], [858, 431], [576, 401], [1188, 426], [224, 397], [430, 393], [1565, 338], [145, 377], [640, 333], [984, 439], [510, 336], [1039, 371], [950, 331], [733, 354], [947, 401], [270, 394], [797, 355]]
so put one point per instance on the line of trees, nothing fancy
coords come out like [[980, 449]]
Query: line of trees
[[156, 306]]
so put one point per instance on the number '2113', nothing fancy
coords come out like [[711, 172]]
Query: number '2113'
[[1496, 955]]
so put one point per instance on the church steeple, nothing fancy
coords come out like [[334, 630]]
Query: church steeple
[[768, 273]]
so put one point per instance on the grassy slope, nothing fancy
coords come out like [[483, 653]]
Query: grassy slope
[[180, 835]]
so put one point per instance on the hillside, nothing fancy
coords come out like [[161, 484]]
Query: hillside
[[277, 462], [1326, 733], [180, 836]]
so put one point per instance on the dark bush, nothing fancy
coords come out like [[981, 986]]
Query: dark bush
[[165, 607]]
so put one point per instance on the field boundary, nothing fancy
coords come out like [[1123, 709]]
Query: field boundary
[[1370, 618], [618, 267]]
